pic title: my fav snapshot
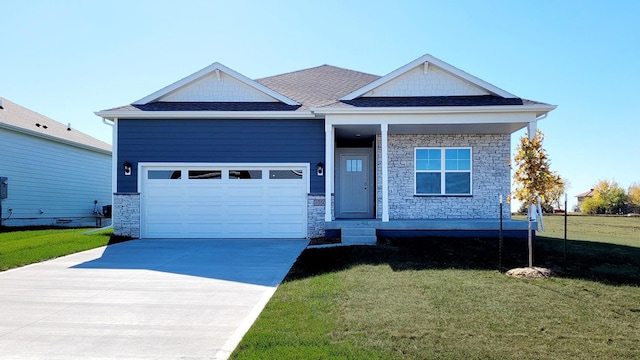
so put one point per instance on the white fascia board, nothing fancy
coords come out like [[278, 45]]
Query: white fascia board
[[206, 114], [210, 69], [430, 119], [538, 109], [55, 139], [437, 62]]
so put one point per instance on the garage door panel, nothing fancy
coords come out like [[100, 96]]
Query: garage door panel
[[224, 207], [204, 210], [286, 210], [207, 229], [243, 191], [164, 229]]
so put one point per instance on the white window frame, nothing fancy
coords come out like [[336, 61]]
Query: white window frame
[[442, 170]]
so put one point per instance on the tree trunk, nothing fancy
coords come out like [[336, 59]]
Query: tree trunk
[[529, 237]]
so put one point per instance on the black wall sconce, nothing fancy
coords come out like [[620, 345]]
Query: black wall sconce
[[127, 168], [320, 169]]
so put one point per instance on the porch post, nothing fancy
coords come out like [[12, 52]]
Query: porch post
[[328, 169], [531, 130], [384, 129]]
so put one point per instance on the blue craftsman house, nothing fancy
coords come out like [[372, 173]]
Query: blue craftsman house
[[322, 151]]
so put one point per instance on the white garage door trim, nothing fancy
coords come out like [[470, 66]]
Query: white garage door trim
[[224, 200]]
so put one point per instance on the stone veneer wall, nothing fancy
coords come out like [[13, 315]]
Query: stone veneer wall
[[126, 214], [491, 177]]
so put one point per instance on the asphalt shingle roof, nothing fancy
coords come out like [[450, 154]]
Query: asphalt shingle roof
[[483, 100], [209, 106], [17, 116], [323, 86], [318, 86]]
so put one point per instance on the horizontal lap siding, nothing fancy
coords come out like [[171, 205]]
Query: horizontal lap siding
[[60, 179], [219, 141]]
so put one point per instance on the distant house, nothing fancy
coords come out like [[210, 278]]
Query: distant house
[[52, 174], [318, 152], [582, 197]]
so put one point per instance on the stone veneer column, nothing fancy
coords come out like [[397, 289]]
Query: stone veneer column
[[126, 214], [315, 215]]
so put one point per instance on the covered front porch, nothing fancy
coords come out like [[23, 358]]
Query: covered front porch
[[391, 141]]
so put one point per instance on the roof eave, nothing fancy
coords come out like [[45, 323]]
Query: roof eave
[[107, 114]]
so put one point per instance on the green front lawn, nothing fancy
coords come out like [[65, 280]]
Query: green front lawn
[[20, 248], [444, 299]]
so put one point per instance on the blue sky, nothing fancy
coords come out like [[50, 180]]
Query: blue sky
[[67, 59]]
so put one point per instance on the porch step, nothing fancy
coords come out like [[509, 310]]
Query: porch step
[[359, 236]]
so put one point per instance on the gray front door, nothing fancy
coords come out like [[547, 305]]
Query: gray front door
[[354, 183]]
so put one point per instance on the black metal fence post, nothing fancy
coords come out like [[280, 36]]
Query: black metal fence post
[[500, 238], [565, 234]]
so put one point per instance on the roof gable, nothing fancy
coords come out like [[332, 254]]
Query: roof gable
[[427, 76], [216, 83]]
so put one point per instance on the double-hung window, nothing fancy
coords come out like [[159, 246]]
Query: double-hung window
[[443, 171]]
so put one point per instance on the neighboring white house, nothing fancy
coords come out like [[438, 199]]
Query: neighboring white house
[[53, 174]]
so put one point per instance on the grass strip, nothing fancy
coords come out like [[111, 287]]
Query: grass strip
[[19, 248]]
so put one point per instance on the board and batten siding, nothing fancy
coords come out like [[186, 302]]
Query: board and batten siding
[[220, 141], [60, 179]]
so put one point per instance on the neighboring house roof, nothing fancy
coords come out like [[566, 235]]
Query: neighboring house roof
[[585, 194], [18, 118], [425, 83]]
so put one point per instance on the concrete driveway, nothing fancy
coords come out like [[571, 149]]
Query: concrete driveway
[[142, 299]]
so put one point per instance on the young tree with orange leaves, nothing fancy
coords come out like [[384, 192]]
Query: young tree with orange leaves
[[533, 177]]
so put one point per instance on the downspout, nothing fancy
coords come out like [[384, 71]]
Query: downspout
[[114, 158]]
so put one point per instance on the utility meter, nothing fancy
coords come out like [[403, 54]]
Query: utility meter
[[4, 183]]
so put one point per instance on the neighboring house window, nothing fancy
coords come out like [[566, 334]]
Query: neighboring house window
[[443, 171]]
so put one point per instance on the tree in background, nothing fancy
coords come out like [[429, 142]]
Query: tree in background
[[555, 197], [608, 198], [633, 196], [533, 179]]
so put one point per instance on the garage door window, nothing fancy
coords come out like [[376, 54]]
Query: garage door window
[[285, 174], [205, 174], [164, 174], [245, 174]]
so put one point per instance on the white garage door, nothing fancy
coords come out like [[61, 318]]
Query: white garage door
[[224, 201]]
